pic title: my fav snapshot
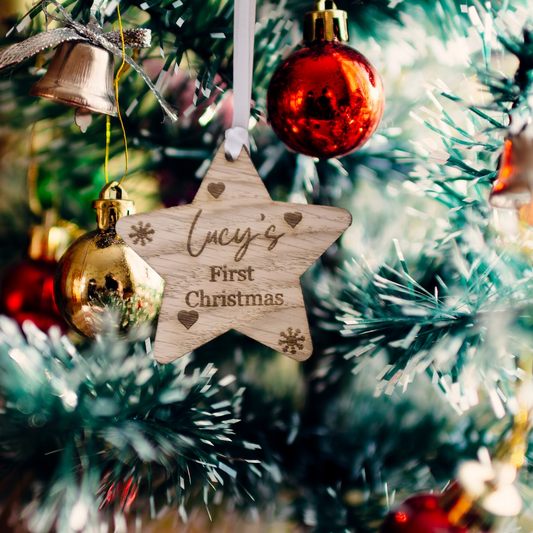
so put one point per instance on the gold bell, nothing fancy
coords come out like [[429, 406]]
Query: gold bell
[[80, 75], [512, 187]]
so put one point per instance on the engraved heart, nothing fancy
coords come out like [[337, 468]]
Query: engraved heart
[[188, 318], [216, 189], [293, 219]]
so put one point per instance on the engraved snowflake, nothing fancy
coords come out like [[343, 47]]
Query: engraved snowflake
[[142, 233], [291, 341]]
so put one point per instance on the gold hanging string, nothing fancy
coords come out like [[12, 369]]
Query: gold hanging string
[[512, 447], [33, 172], [117, 78], [519, 438], [121, 70], [107, 143]]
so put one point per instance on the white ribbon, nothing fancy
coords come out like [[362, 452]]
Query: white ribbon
[[243, 62]]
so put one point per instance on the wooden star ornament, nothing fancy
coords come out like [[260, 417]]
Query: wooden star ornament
[[232, 259]]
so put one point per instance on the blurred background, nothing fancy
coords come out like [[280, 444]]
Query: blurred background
[[420, 314]]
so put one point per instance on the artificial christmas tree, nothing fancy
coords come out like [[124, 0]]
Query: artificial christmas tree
[[421, 314]]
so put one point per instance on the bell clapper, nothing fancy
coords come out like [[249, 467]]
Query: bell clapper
[[83, 118]]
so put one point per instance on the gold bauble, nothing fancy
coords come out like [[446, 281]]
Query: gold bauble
[[101, 283]]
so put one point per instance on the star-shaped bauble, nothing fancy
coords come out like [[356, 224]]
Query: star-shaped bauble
[[232, 259]]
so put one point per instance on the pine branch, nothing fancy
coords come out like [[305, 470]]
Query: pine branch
[[86, 425]]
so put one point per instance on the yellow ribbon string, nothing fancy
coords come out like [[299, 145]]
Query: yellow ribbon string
[[107, 142], [117, 78], [512, 447], [33, 172], [108, 120]]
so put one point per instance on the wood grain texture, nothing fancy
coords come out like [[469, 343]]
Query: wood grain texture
[[232, 259]]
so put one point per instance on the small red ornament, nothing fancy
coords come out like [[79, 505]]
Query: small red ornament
[[513, 185], [27, 288], [325, 100], [125, 491], [483, 494], [422, 513], [28, 293]]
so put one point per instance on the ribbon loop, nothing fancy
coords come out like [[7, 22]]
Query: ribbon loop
[[236, 139], [243, 60]]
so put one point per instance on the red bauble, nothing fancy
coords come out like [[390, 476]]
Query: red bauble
[[419, 514], [325, 100], [28, 293], [125, 491]]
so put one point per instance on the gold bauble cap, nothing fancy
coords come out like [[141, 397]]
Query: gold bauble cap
[[326, 23], [108, 209]]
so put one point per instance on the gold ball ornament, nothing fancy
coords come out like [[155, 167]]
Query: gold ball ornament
[[100, 278]]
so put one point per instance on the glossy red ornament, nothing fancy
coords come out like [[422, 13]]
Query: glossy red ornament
[[420, 514], [28, 293], [325, 100], [513, 185]]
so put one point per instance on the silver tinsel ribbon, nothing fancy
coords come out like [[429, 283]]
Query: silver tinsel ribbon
[[111, 41]]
